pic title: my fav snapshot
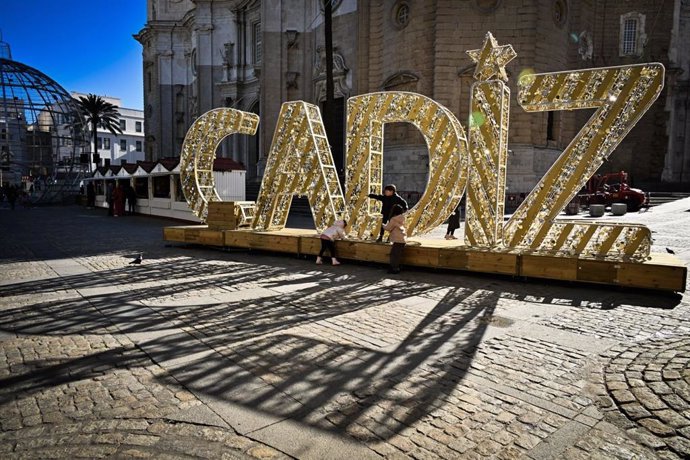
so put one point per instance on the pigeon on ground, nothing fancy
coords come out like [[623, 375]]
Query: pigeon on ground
[[670, 251], [138, 260]]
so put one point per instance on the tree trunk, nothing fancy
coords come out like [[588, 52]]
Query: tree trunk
[[95, 146]]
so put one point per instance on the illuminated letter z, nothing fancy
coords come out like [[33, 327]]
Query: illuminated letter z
[[621, 96]]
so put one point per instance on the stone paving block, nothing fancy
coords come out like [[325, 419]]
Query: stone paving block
[[349, 356], [656, 427]]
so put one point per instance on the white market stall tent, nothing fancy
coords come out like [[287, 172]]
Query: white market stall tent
[[158, 188]]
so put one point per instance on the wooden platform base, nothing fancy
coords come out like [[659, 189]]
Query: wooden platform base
[[662, 271]]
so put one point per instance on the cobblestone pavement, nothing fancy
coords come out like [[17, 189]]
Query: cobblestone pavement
[[232, 354]]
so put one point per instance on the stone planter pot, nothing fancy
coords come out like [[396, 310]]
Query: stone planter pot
[[596, 210], [619, 209]]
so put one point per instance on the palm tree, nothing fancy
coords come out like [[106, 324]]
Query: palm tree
[[100, 114]]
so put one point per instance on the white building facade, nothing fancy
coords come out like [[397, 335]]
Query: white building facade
[[126, 147]]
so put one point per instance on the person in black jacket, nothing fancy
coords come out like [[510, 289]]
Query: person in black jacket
[[131, 197], [453, 223], [389, 198]]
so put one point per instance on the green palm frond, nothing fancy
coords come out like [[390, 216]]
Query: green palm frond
[[97, 112], [100, 113]]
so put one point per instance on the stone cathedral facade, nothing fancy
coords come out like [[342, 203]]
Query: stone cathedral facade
[[253, 55]]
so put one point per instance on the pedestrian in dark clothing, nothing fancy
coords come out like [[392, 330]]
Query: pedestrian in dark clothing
[[398, 236], [453, 223], [388, 200], [118, 200], [90, 195], [109, 198], [131, 196], [12, 196]]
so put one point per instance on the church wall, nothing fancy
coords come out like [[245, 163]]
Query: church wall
[[426, 56]]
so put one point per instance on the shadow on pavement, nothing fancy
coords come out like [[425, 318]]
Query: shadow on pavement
[[344, 350]]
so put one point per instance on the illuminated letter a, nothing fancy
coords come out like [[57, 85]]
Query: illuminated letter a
[[299, 163]]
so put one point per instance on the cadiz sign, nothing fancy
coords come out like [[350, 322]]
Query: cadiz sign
[[468, 161]]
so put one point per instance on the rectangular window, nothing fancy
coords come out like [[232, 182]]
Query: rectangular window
[[137, 126], [138, 146], [123, 125], [123, 144], [161, 186], [179, 192], [100, 143], [106, 143], [630, 36], [141, 187], [550, 136], [256, 39]]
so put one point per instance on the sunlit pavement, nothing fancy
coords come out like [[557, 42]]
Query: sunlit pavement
[[210, 353]]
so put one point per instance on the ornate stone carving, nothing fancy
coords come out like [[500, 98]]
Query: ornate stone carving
[[291, 35], [585, 47], [193, 107], [404, 78], [291, 79], [340, 71]]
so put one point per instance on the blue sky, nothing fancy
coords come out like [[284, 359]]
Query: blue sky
[[84, 45]]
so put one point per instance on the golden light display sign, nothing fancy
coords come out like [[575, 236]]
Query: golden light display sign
[[472, 164]]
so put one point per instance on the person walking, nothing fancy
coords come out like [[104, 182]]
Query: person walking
[[119, 200], [131, 196], [453, 224], [109, 197], [328, 238], [398, 236], [12, 196], [389, 199], [90, 195]]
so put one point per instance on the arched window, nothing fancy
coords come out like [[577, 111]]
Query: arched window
[[401, 14]]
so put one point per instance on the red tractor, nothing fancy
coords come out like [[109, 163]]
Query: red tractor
[[612, 188]]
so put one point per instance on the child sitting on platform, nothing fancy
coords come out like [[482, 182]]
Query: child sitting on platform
[[328, 238]]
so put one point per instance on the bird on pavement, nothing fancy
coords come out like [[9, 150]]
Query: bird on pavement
[[138, 260], [670, 251]]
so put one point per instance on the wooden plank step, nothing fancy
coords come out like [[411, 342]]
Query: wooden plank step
[[662, 271]]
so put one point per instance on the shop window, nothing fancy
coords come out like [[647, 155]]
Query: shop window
[[179, 192], [161, 186], [141, 187]]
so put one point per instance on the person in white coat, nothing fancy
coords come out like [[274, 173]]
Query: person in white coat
[[328, 238]]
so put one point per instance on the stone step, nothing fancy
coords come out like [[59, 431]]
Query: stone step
[[659, 198]]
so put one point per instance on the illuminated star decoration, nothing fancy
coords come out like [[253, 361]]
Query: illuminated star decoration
[[492, 59]]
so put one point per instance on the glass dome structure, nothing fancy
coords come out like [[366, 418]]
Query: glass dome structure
[[42, 134]]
